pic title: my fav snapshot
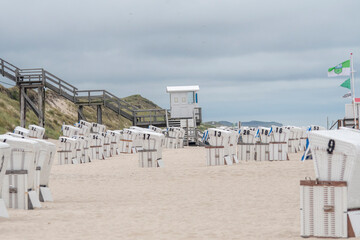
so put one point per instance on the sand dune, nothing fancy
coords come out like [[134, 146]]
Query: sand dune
[[115, 199]]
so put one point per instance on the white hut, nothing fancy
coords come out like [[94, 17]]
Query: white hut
[[183, 101], [184, 110]]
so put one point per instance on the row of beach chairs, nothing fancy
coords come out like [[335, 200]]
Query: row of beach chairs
[[25, 165], [227, 146], [221, 149], [147, 143], [85, 142], [26, 158]]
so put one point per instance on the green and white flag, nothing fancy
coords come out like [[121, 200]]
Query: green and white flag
[[343, 69], [346, 84]]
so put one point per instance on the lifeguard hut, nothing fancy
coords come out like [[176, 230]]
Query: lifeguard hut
[[350, 120], [184, 110]]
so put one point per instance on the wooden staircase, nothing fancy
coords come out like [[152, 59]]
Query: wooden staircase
[[39, 79]]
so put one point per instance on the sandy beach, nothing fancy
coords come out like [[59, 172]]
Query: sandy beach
[[115, 199]]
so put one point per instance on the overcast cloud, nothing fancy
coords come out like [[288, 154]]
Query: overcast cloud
[[254, 60]]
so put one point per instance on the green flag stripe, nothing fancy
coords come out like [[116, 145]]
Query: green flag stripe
[[346, 84], [345, 64]]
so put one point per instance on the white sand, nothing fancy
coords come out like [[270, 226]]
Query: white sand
[[115, 199]]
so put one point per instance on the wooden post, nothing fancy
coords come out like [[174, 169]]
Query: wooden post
[[187, 132], [2, 68], [80, 112], [134, 118], [41, 103], [22, 91], [166, 119], [99, 114]]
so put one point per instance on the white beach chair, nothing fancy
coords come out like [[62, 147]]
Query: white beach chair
[[172, 137], [84, 130], [4, 161], [19, 183], [246, 144], [132, 139], [155, 129], [294, 139], [114, 142], [235, 135], [21, 131], [87, 124], [180, 142], [79, 148], [278, 146], [69, 131], [231, 150], [126, 141], [67, 151], [106, 144], [150, 154], [323, 209], [336, 155], [36, 132], [262, 144], [98, 128], [137, 137], [46, 166], [45, 160], [217, 152], [82, 148], [96, 146], [307, 153], [86, 156]]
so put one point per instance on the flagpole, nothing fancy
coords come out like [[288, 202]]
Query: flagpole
[[353, 87]]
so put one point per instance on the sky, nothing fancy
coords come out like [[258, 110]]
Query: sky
[[253, 60]]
